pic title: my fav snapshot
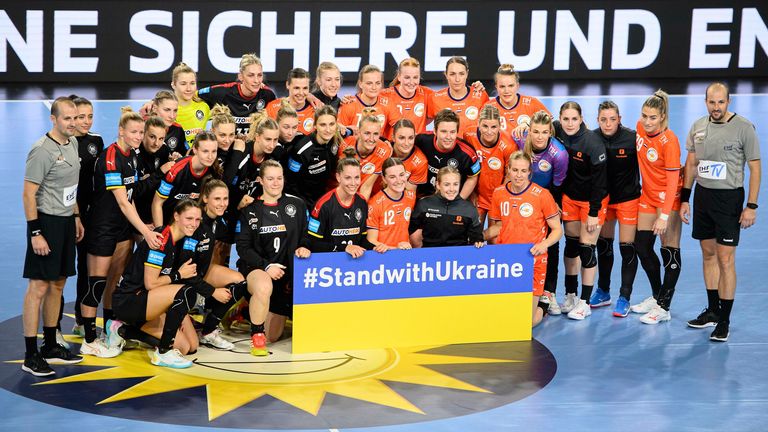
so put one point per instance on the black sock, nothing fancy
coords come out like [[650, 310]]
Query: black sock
[[30, 342], [604, 262], [543, 306], [183, 302], [713, 301], [644, 242], [90, 329], [553, 258], [725, 310], [571, 284], [127, 331], [61, 313], [628, 268], [586, 292], [672, 263], [257, 328], [217, 310], [108, 315], [49, 336]]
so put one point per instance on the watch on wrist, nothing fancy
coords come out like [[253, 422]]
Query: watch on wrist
[[752, 206]]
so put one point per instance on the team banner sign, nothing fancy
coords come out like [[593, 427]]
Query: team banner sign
[[410, 298]]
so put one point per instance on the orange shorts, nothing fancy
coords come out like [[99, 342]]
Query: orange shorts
[[648, 204], [625, 213], [539, 274], [579, 210]]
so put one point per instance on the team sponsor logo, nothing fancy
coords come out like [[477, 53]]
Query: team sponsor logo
[[419, 110], [165, 188], [290, 210], [193, 196], [407, 213], [129, 180], [112, 179], [237, 227], [199, 114], [544, 166], [293, 165], [494, 163], [431, 215], [308, 124], [475, 167], [358, 215], [524, 118], [190, 244], [92, 150], [662, 195], [155, 257], [471, 113], [652, 155], [313, 225], [453, 163], [368, 168], [172, 142], [253, 221], [343, 232], [272, 229], [526, 210]]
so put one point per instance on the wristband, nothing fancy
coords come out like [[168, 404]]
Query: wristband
[[752, 206], [175, 276], [685, 195], [35, 228], [663, 216]]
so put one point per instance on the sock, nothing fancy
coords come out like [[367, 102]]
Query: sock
[[672, 263], [127, 331], [586, 292], [30, 342], [725, 310], [543, 306], [644, 242], [553, 258], [108, 315], [257, 328], [604, 262], [49, 336], [571, 284], [183, 302], [61, 313], [628, 269], [713, 301], [90, 329]]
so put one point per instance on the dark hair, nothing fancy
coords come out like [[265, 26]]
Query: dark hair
[[402, 123], [347, 160], [296, 73], [570, 105], [606, 105], [458, 60], [207, 135], [79, 100], [55, 106], [153, 121], [184, 205], [389, 163], [209, 184], [446, 115]]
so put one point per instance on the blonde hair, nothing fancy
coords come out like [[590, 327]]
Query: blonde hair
[[506, 69], [520, 155], [321, 69], [160, 97], [286, 110], [180, 69], [260, 122], [659, 101], [248, 60], [540, 118], [220, 115], [127, 114], [408, 62], [365, 70], [489, 112], [368, 115]]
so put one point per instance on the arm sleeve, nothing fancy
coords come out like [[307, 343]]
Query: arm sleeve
[[39, 163]]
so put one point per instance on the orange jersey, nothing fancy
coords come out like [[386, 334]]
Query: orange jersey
[[523, 216], [414, 108], [306, 115], [468, 108], [371, 164], [350, 113], [416, 166], [522, 111], [391, 217], [494, 162], [656, 155]]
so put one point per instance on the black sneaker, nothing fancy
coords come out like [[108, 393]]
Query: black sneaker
[[721, 332], [37, 366], [57, 354], [705, 319]]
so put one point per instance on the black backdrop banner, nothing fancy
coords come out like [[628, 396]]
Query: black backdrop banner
[[117, 41]]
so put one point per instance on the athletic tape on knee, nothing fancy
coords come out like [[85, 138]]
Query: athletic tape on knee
[[604, 246], [588, 254], [571, 247], [96, 287]]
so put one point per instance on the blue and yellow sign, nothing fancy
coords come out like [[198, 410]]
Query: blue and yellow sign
[[414, 297]]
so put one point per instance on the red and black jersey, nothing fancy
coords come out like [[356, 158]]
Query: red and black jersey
[[309, 168], [176, 139], [199, 246], [270, 234], [115, 169], [150, 177], [241, 107], [332, 225], [587, 171], [163, 259], [89, 147], [623, 169], [179, 183], [462, 157]]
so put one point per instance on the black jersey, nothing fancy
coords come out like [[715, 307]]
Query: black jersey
[[587, 171], [332, 226], [89, 147], [180, 182], [242, 169], [151, 175], [241, 107], [446, 223], [176, 139], [623, 169], [310, 167], [199, 246], [163, 259], [270, 233], [335, 102], [462, 157], [114, 170]]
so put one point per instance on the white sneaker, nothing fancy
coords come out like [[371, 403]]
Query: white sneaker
[[554, 308], [645, 306], [581, 311], [656, 315], [60, 339], [172, 359], [571, 301], [214, 340], [113, 338], [99, 349]]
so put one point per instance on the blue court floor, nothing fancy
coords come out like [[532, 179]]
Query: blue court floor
[[611, 374]]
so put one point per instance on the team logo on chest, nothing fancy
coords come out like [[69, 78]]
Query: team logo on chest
[[290, 210], [260, 104], [358, 214], [544, 165], [92, 150], [523, 118], [419, 110], [526, 210], [368, 168], [199, 114], [172, 142], [494, 163], [652, 155], [453, 163], [308, 124], [407, 213], [471, 113]]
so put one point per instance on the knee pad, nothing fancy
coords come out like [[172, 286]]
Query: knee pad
[[96, 287], [571, 247], [185, 299], [604, 246], [238, 290], [628, 252], [588, 255], [644, 241]]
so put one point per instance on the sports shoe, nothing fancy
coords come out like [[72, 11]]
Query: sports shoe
[[656, 315], [99, 349], [721, 332], [171, 359], [554, 308], [622, 308], [581, 311], [599, 298], [705, 319], [259, 345], [59, 355], [60, 340], [235, 313], [570, 302], [113, 338], [79, 330], [645, 306], [214, 340], [37, 366]]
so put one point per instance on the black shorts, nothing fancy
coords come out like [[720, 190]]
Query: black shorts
[[59, 232], [716, 214], [131, 308], [104, 237], [281, 300]]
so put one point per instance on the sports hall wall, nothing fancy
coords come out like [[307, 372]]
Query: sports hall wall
[[119, 41]]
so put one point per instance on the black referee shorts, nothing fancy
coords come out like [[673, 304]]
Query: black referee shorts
[[59, 232], [716, 214]]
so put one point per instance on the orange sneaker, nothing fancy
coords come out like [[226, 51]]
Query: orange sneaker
[[259, 345]]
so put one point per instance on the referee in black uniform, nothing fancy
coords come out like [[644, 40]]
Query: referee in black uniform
[[53, 227]]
